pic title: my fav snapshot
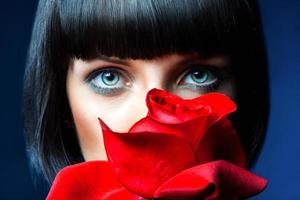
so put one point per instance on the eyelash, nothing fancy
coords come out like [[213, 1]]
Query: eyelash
[[206, 87], [101, 90], [217, 73]]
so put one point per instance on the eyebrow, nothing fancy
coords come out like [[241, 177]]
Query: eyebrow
[[204, 58], [189, 60], [112, 59]]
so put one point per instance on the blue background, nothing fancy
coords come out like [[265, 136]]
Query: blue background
[[279, 161]]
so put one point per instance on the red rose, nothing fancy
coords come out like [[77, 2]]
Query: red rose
[[182, 149]]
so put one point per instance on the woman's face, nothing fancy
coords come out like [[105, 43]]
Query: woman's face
[[115, 90]]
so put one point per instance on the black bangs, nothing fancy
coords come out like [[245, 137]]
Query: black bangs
[[147, 29]]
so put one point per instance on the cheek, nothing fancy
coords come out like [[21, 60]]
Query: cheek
[[229, 88], [85, 115], [87, 107], [88, 129]]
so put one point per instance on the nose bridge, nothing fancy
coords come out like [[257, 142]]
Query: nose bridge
[[153, 81], [138, 108], [154, 77]]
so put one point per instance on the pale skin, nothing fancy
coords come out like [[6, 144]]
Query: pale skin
[[122, 108]]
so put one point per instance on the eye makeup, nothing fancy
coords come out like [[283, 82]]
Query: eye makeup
[[202, 78], [198, 76], [108, 81], [112, 81]]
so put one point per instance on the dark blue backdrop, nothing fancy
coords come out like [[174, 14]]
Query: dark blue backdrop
[[279, 161]]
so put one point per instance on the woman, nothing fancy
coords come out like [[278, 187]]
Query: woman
[[90, 59]]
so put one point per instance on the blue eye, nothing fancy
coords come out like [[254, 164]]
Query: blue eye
[[107, 81], [200, 78], [107, 78]]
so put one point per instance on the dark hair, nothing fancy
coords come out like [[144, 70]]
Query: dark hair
[[65, 29]]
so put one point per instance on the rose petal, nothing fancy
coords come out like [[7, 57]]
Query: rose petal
[[169, 108], [191, 131], [220, 104], [185, 185], [91, 180], [232, 182], [221, 142], [143, 161], [215, 180]]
